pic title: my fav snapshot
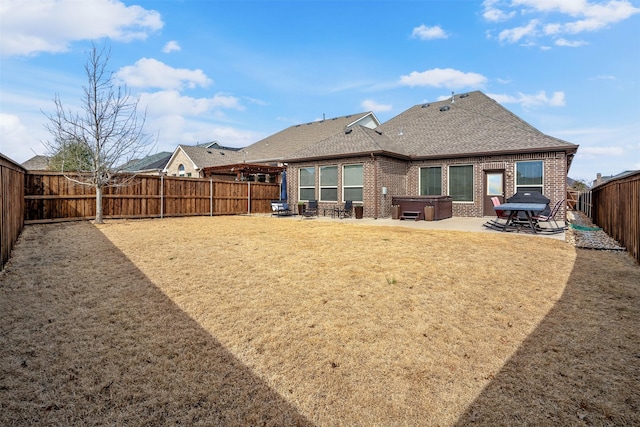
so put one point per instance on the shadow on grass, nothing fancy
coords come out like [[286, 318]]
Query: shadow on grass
[[93, 343], [581, 365]]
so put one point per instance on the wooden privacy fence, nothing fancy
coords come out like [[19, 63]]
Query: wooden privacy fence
[[616, 208], [11, 206], [51, 196]]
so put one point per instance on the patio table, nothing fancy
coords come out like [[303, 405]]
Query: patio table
[[514, 208]]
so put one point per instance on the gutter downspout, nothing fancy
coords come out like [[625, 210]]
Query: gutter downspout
[[375, 186]]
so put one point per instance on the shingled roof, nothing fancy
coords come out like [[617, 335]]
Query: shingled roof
[[202, 157], [473, 124], [298, 137], [354, 141], [468, 124], [37, 162], [152, 162]]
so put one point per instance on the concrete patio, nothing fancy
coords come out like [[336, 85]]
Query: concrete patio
[[452, 224]]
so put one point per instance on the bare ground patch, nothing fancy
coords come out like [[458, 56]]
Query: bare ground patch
[[272, 321]]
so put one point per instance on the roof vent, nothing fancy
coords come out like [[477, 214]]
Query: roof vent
[[445, 108], [425, 105], [378, 132], [209, 151], [464, 95], [347, 131], [222, 153]]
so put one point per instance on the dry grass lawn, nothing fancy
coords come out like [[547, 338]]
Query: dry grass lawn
[[274, 321]]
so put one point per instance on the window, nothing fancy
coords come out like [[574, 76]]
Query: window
[[181, 170], [461, 183], [329, 183], [529, 176], [307, 187], [431, 181], [352, 183]]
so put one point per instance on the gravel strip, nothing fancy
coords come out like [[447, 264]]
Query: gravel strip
[[589, 239]]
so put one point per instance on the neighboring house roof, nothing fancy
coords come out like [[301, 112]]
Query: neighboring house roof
[[295, 138], [473, 124], [602, 179], [217, 146], [37, 163], [202, 157], [153, 162]]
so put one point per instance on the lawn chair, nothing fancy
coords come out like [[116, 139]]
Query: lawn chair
[[280, 208], [499, 214], [502, 217], [346, 210], [311, 209], [550, 219]]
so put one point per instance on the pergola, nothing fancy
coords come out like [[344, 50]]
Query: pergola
[[243, 171]]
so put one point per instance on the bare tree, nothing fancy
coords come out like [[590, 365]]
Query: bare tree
[[107, 132]]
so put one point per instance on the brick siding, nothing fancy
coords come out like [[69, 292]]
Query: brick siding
[[401, 178]]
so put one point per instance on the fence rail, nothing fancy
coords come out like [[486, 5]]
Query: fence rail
[[11, 206], [50, 196], [616, 208]]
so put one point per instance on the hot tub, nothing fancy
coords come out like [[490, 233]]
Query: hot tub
[[442, 205]]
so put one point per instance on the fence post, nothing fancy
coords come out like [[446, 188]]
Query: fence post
[[249, 197], [211, 197], [161, 196]]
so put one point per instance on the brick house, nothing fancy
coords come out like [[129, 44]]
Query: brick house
[[468, 147], [190, 160]]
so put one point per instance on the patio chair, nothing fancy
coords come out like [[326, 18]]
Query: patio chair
[[346, 210], [311, 209], [280, 208], [499, 214], [550, 219], [502, 217]]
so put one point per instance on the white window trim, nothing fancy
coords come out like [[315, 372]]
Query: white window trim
[[473, 183], [515, 184], [300, 187], [353, 186], [327, 186], [420, 177]]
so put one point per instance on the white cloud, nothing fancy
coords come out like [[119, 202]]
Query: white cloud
[[33, 26], [570, 17], [569, 43], [532, 101], [371, 105], [594, 152], [174, 129], [151, 73], [428, 33], [170, 102], [443, 77], [514, 35], [493, 14], [21, 137], [171, 46]]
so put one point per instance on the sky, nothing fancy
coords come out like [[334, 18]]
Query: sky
[[238, 71]]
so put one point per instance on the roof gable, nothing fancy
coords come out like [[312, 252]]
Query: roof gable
[[298, 137], [201, 156], [353, 141], [470, 123]]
